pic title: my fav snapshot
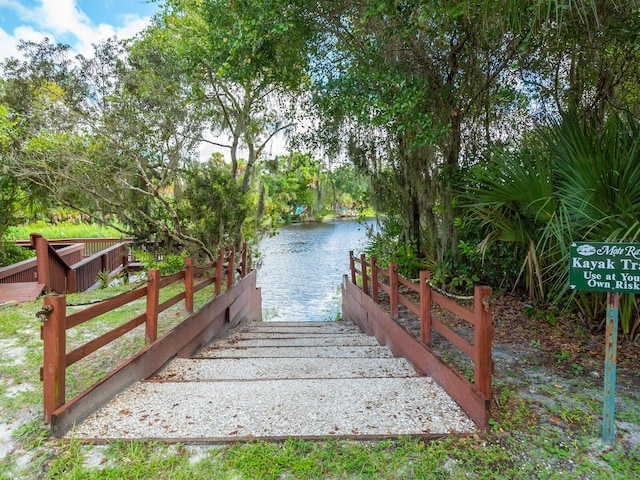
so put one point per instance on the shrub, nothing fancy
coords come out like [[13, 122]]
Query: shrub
[[11, 253], [170, 263]]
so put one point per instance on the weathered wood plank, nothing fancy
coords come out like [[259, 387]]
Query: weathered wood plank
[[20, 292]]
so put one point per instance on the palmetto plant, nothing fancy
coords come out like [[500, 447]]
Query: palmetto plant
[[514, 196], [598, 185], [576, 182], [598, 172]]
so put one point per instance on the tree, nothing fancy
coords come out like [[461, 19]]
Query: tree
[[582, 58], [214, 204], [295, 187], [243, 58], [32, 109], [126, 146], [416, 88]]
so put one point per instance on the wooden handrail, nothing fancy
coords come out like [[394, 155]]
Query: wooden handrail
[[50, 262], [107, 306], [88, 260], [17, 268], [54, 329], [25, 243], [64, 270], [388, 281]]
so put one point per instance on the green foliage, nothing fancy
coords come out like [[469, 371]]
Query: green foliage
[[496, 266], [103, 279], [214, 207], [577, 182], [58, 230], [32, 434], [170, 263], [538, 312], [125, 140], [513, 194], [353, 189], [386, 246], [11, 253], [599, 172], [515, 413], [299, 187]]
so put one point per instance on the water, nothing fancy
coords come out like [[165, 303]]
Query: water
[[302, 269]]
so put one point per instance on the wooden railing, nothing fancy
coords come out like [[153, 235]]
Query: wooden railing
[[58, 322], [91, 245], [472, 395], [27, 270], [67, 269], [53, 268], [83, 275]]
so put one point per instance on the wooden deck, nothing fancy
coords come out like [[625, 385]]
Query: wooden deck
[[20, 292]]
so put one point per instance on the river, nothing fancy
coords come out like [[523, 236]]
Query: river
[[302, 267]]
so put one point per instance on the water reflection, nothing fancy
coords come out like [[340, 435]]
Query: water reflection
[[302, 268]]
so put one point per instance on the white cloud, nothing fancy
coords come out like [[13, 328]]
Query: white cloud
[[62, 16], [62, 21], [132, 26], [8, 44]]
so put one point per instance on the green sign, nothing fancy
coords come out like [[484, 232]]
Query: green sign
[[605, 267], [613, 268]]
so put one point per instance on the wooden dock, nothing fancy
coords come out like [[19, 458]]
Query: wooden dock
[[20, 292]]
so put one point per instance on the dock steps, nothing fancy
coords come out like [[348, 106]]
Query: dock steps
[[275, 380]]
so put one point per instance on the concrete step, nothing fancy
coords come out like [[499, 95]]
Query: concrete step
[[295, 341], [294, 352], [277, 380], [303, 327], [253, 335], [188, 369], [221, 411]]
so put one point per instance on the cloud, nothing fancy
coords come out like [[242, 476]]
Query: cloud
[[8, 44], [63, 21]]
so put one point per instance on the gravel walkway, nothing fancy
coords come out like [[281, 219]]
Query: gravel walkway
[[276, 380]]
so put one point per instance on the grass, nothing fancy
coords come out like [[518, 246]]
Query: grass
[[60, 230], [552, 433], [21, 355], [504, 457]]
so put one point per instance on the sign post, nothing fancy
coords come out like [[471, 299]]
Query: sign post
[[611, 338], [613, 268]]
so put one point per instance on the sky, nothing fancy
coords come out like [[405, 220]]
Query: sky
[[78, 23]]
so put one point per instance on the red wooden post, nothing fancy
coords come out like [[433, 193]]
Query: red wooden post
[[153, 300], [188, 284], [230, 267], [393, 284], [425, 307], [244, 266], [125, 257], [219, 265], [483, 369], [375, 294], [104, 262], [352, 267], [54, 332], [72, 282], [42, 252], [365, 279]]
